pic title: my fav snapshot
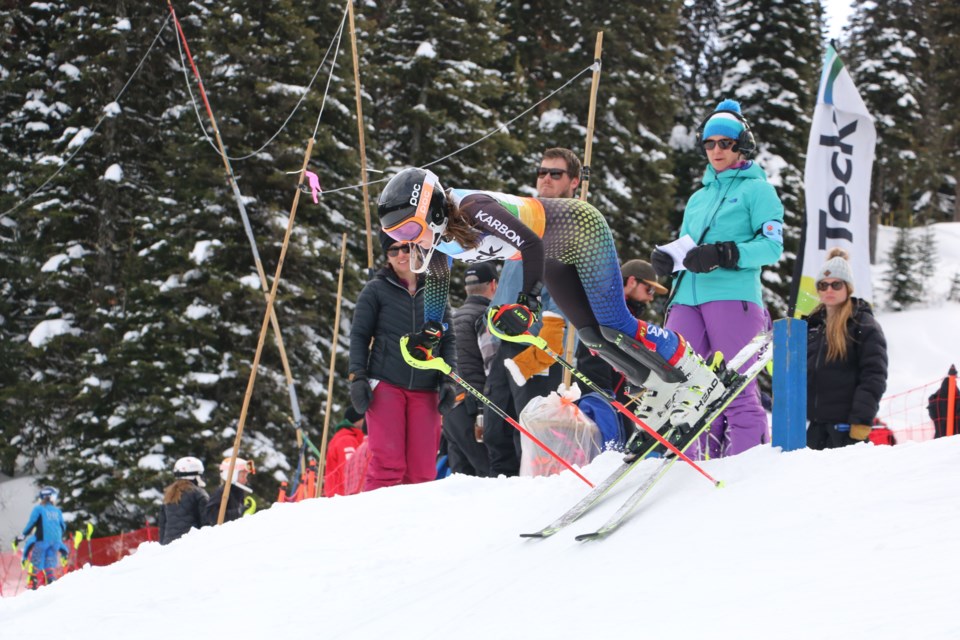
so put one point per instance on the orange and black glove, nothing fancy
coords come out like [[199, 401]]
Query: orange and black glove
[[533, 360]]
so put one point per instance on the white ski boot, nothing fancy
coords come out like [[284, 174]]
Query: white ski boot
[[692, 398]]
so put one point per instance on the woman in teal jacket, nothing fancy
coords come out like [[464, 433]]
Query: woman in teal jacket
[[736, 220]]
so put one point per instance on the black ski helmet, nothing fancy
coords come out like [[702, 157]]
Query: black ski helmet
[[412, 203]]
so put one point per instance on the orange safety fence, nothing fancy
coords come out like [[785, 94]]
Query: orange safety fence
[[98, 552], [906, 413]]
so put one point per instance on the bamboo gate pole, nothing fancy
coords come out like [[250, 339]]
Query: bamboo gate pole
[[271, 297], [232, 181], [363, 146], [585, 180], [333, 361]]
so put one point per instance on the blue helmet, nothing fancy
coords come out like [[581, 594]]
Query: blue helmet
[[48, 493]]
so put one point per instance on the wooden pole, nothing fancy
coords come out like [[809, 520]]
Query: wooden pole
[[363, 146], [232, 182], [585, 179], [271, 297], [333, 361]]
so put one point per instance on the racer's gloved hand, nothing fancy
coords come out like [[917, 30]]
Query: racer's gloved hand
[[662, 262], [421, 344], [360, 391], [516, 319], [20, 539]]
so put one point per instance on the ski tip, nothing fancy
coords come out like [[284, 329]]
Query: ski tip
[[583, 537], [538, 535], [720, 484]]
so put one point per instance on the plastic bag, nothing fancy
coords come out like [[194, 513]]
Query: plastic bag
[[559, 423]]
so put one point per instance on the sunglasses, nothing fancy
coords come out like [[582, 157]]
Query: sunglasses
[[393, 252], [555, 174], [724, 144], [836, 285]]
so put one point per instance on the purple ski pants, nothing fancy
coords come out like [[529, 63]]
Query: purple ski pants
[[725, 326]]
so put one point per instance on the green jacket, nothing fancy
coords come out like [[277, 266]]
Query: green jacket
[[736, 204]]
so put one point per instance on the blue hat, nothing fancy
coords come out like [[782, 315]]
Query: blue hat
[[724, 124]]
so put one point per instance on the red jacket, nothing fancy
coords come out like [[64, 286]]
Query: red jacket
[[344, 444]]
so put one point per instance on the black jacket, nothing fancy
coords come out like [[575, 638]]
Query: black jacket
[[469, 358], [386, 311], [234, 505], [176, 518], [846, 391]]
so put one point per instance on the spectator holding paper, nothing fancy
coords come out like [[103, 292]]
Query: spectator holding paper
[[731, 228]]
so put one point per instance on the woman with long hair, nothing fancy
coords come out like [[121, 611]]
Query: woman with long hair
[[846, 360]]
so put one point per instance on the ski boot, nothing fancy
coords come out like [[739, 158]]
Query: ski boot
[[691, 401], [676, 407], [653, 407]]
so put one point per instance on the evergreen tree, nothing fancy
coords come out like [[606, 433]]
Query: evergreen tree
[[900, 278], [884, 45], [925, 251]]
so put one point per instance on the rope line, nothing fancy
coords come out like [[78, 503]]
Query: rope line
[[94, 130], [283, 126], [333, 67], [484, 137]]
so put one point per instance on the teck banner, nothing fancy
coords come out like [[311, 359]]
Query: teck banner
[[837, 175]]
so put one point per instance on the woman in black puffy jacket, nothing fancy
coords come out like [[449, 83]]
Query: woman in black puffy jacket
[[183, 501], [846, 360]]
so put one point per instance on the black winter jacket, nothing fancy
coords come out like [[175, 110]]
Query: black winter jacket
[[847, 391], [386, 311], [469, 358], [176, 518], [234, 505]]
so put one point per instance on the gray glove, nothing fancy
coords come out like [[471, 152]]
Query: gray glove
[[360, 392]]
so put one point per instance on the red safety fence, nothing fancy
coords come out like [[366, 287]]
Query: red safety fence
[[98, 552], [911, 415]]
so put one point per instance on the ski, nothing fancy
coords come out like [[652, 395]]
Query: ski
[[739, 381], [751, 349], [596, 495]]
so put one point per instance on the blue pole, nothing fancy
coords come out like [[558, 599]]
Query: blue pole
[[790, 384]]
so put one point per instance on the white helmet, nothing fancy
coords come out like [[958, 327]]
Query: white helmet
[[49, 494], [240, 465], [189, 468]]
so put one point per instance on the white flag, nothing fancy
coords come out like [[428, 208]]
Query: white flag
[[837, 176]]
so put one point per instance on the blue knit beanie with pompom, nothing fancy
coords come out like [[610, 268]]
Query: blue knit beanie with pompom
[[724, 124]]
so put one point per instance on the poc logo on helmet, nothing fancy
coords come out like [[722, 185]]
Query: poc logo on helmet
[[415, 195]]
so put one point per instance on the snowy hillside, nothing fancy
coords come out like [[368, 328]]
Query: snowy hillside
[[846, 544]]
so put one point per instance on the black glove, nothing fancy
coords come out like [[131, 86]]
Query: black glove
[[530, 301], [662, 262], [708, 257], [360, 392], [20, 539], [421, 344], [448, 397], [516, 319]]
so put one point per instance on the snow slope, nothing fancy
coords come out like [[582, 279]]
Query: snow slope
[[853, 543]]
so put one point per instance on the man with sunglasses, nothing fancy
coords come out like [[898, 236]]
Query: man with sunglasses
[[520, 373], [717, 303]]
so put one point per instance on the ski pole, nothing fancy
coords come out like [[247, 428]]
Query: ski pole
[[439, 364], [540, 343]]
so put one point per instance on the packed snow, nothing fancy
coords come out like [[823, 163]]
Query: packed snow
[[850, 543]]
